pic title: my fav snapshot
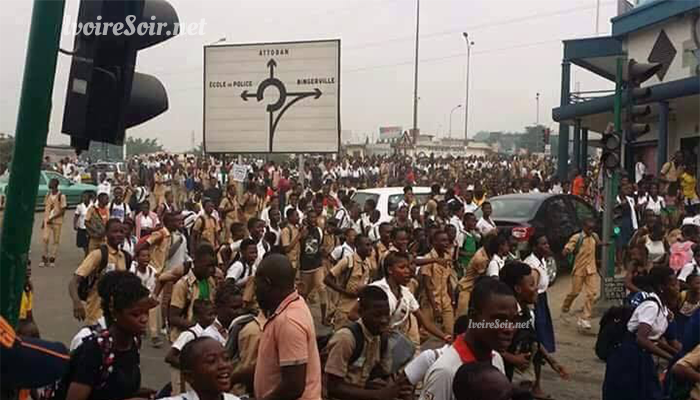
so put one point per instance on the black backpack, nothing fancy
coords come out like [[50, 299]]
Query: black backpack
[[88, 282], [359, 336], [613, 328], [234, 331]]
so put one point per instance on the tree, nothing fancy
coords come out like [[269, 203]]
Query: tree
[[7, 147], [138, 146]]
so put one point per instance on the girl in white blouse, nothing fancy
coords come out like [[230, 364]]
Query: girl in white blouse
[[630, 373]]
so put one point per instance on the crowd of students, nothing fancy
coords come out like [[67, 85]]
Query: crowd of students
[[224, 271]]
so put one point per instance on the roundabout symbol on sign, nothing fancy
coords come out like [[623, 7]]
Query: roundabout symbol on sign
[[281, 104]]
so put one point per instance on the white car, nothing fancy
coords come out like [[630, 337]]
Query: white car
[[388, 199]]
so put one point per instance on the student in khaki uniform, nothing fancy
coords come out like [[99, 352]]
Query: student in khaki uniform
[[198, 283], [381, 249], [688, 369], [246, 359], [161, 240], [96, 220], [228, 209], [207, 227], [249, 203], [54, 209], [161, 183], [582, 246], [348, 277], [348, 373], [93, 268], [437, 302], [477, 267], [291, 237]]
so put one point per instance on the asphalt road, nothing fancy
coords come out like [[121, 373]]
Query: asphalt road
[[54, 316]]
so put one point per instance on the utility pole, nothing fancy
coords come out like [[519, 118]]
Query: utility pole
[[537, 117], [30, 138], [415, 72], [466, 96], [452, 112]]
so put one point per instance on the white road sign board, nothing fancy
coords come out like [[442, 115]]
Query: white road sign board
[[272, 97]]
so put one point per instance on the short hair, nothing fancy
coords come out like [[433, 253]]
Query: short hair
[[226, 290], [189, 352], [469, 377], [536, 238], [111, 222], [371, 202], [513, 273], [204, 250], [372, 294], [659, 276], [495, 243], [290, 211], [200, 305], [484, 288], [237, 227], [407, 188], [119, 290], [252, 222], [360, 236], [245, 243], [396, 231]]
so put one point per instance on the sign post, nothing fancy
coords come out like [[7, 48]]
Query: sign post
[[30, 139], [272, 97]]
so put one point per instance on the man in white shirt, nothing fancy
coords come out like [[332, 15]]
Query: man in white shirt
[[117, 208], [493, 301], [228, 304], [640, 169]]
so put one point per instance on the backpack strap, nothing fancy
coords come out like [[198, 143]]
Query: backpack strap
[[359, 336]]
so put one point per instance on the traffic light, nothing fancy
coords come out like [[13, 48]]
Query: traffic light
[[611, 149], [637, 73], [105, 95]]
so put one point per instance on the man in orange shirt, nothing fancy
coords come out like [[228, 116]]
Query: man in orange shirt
[[288, 364], [578, 187]]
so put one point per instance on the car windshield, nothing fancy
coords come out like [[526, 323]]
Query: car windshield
[[360, 198], [61, 180], [511, 208]]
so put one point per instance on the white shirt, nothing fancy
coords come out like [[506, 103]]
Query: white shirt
[[104, 187], [437, 384], [180, 256], [495, 265], [655, 205], [470, 207], [119, 211], [191, 395], [148, 278], [541, 266], [212, 331], [457, 223], [187, 336], [81, 212], [485, 226], [85, 332], [342, 251], [399, 310], [687, 270], [639, 170], [648, 313], [240, 272], [416, 369]]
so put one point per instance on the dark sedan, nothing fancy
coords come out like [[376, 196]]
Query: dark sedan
[[558, 215]]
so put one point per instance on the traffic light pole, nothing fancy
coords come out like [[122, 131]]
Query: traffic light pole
[[30, 139], [610, 182]]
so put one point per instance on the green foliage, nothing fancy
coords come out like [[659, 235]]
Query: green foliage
[[138, 146]]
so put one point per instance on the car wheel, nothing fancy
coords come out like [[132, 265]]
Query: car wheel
[[552, 270]]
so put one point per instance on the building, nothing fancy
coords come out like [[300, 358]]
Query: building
[[661, 31]]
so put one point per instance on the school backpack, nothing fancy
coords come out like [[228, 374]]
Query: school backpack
[[357, 333], [88, 282], [613, 325], [235, 329]]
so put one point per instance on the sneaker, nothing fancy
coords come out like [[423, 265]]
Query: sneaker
[[43, 262], [52, 263], [584, 324], [156, 342], [565, 317]]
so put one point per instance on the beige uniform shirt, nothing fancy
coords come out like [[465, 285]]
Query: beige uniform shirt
[[584, 263], [359, 276], [341, 347], [208, 226], [54, 204], [288, 234], [439, 276], [115, 261], [692, 360], [160, 242]]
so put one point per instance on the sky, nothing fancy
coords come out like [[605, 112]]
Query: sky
[[516, 54]]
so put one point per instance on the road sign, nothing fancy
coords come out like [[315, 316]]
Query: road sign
[[239, 172], [272, 97]]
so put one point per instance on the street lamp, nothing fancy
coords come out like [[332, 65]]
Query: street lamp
[[451, 112], [466, 100], [537, 118]]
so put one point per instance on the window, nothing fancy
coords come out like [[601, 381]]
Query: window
[[511, 208], [394, 201], [360, 198], [62, 181]]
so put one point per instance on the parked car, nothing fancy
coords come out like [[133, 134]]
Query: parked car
[[92, 173], [559, 216], [73, 191], [388, 199]]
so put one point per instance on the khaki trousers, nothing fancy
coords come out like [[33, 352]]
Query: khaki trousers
[[52, 239], [590, 283], [446, 315]]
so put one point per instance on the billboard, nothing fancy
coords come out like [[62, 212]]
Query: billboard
[[390, 132], [272, 97]]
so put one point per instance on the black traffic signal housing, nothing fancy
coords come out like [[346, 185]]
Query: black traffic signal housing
[[105, 96], [637, 73], [611, 142]]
